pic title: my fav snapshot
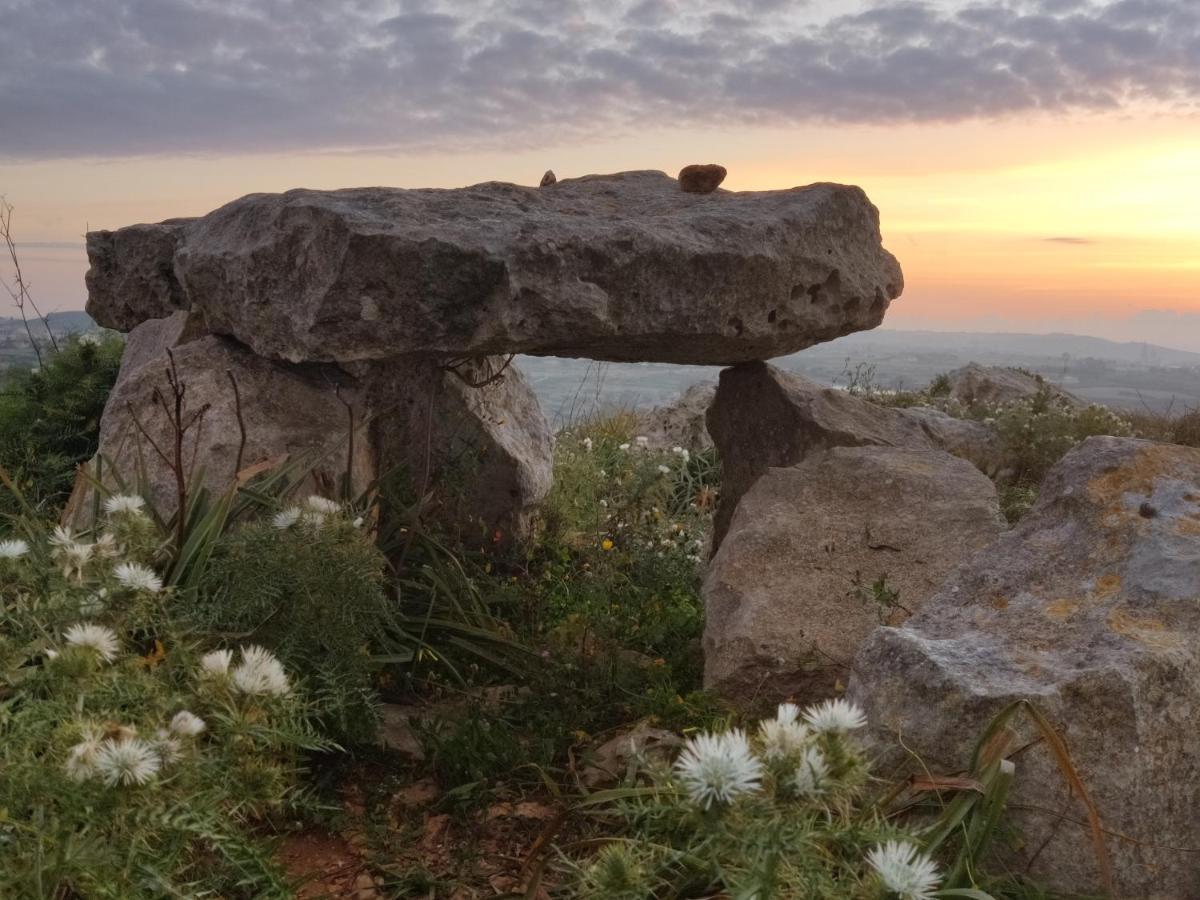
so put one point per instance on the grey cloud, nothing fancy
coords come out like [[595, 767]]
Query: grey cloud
[[123, 77]]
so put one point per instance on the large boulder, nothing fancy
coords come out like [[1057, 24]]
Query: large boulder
[[614, 267], [469, 439], [763, 417], [820, 553], [470, 436], [995, 385], [972, 440], [680, 423], [1089, 608], [287, 411]]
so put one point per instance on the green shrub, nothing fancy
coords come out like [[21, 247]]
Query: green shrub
[[310, 586], [50, 419], [134, 765]]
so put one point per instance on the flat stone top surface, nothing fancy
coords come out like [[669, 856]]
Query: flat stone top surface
[[618, 267]]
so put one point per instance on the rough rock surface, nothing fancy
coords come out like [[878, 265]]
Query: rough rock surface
[[763, 417], [973, 441], [701, 179], [974, 383], [287, 409], [615, 267], [1090, 608], [681, 423], [788, 597], [548, 178], [482, 455], [487, 448]]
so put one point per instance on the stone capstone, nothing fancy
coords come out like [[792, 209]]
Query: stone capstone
[[613, 267], [819, 553], [1089, 608]]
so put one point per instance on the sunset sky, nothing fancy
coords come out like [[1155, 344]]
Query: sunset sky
[[1036, 162]]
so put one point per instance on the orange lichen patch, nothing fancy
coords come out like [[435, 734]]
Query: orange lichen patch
[[1148, 631], [1062, 609], [1137, 476], [999, 602], [1106, 586], [1188, 527]]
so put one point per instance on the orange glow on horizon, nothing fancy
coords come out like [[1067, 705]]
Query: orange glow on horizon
[[1030, 220]]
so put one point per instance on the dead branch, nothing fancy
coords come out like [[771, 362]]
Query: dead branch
[[19, 289]]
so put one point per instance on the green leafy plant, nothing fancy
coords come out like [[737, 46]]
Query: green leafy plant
[[135, 764], [50, 420]]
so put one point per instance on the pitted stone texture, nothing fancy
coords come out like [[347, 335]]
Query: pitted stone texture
[[481, 456], [788, 597], [615, 267], [1090, 608]]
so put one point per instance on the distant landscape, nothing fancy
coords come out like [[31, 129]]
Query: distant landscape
[[1135, 376], [1119, 375]]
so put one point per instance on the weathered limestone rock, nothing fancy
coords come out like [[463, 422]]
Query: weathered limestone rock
[[818, 554], [681, 423], [763, 417], [548, 178], [488, 449], [286, 409], [481, 455], [616, 267], [974, 383], [966, 438], [701, 179], [1090, 608]]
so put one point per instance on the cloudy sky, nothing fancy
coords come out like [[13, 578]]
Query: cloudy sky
[[1036, 162]]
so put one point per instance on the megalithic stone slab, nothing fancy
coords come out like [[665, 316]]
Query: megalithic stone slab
[[1090, 609], [613, 267]]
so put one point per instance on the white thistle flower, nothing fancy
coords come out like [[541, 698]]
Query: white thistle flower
[[124, 504], [323, 505], [61, 537], [641, 440], [216, 664], [100, 640], [127, 761], [81, 759], [13, 549], [782, 738], [587, 444], [260, 673], [717, 768], [623, 447], [106, 546], [786, 712], [664, 470], [186, 724], [904, 870], [286, 518], [168, 748], [835, 715], [138, 577], [75, 558], [811, 773]]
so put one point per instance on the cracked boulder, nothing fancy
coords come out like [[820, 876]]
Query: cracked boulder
[[820, 553], [1090, 609], [611, 267]]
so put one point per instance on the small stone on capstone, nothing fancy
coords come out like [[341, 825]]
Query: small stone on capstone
[[698, 179], [548, 178]]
